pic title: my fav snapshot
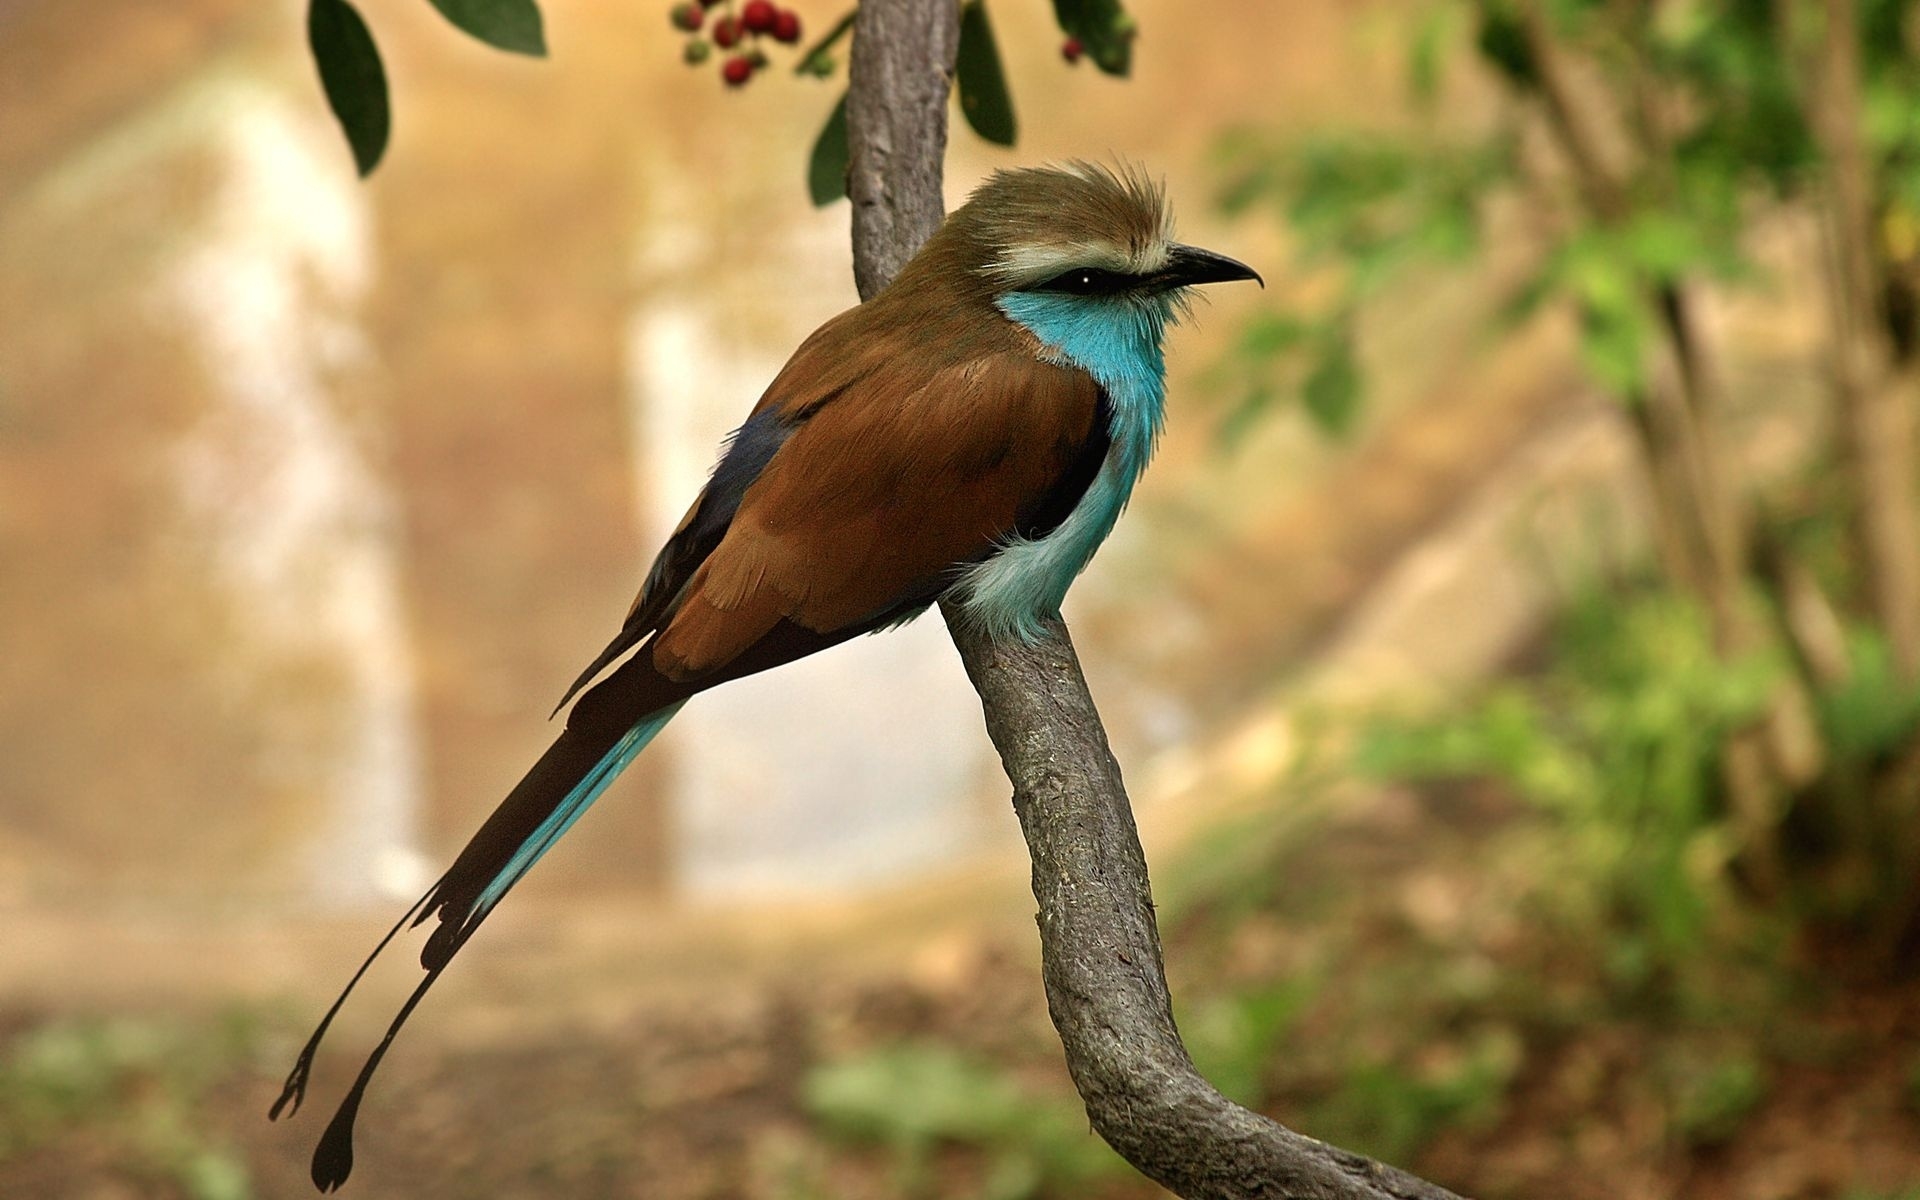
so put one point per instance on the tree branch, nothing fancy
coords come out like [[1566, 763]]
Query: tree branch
[[899, 76], [1106, 987]]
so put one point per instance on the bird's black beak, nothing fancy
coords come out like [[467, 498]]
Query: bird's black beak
[[1190, 265]]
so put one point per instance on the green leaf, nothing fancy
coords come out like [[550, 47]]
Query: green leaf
[[1332, 390], [504, 24], [983, 81], [827, 166], [354, 80], [1103, 27]]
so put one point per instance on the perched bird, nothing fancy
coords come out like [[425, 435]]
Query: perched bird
[[970, 433]]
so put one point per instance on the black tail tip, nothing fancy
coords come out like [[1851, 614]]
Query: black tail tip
[[294, 1090], [333, 1158]]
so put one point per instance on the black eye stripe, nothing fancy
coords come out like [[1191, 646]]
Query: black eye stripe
[[1088, 281]]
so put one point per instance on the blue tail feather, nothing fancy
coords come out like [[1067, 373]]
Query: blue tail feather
[[572, 808], [333, 1157]]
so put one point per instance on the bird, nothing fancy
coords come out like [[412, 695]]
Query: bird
[[969, 434]]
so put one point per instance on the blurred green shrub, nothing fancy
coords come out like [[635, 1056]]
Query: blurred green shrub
[[1620, 164], [1617, 743], [917, 1097], [134, 1084], [1233, 1037], [1391, 1110], [1711, 1091]]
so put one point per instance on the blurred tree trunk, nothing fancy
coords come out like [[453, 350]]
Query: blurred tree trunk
[[1702, 519], [1876, 426]]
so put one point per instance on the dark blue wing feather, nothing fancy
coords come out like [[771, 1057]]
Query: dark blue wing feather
[[745, 455]]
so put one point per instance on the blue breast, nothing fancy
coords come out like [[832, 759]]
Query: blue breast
[[1117, 340]]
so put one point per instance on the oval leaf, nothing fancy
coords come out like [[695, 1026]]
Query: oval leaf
[[355, 82], [505, 24], [827, 167], [983, 81]]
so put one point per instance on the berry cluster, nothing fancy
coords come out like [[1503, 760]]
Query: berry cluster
[[738, 32]]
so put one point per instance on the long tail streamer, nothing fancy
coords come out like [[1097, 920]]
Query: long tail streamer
[[460, 918]]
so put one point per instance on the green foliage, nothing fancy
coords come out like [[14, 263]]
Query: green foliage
[[1748, 128], [1873, 711], [352, 77], [1426, 53], [981, 80], [827, 165], [511, 25], [1618, 741], [1370, 205], [916, 1097], [1371, 208], [1713, 1092], [1233, 1037], [1612, 275], [355, 82], [1388, 1110], [1374, 204], [1331, 392], [138, 1084]]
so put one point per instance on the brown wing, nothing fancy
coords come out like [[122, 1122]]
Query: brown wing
[[917, 463], [826, 364]]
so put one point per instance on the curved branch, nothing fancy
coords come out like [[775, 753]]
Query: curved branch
[[1100, 948], [1100, 953]]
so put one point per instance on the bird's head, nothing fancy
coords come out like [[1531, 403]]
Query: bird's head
[[1077, 253], [1084, 230]]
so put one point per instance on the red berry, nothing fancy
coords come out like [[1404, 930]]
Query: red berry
[[759, 16], [1072, 49], [726, 31], [786, 26], [688, 16], [737, 70]]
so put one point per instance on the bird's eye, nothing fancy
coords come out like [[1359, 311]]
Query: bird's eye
[[1086, 281]]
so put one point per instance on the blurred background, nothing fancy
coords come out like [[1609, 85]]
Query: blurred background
[[1514, 653]]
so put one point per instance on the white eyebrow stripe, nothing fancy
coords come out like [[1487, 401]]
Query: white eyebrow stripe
[[1034, 262], [1149, 259]]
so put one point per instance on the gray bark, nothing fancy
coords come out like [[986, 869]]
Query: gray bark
[[900, 74], [1106, 987]]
